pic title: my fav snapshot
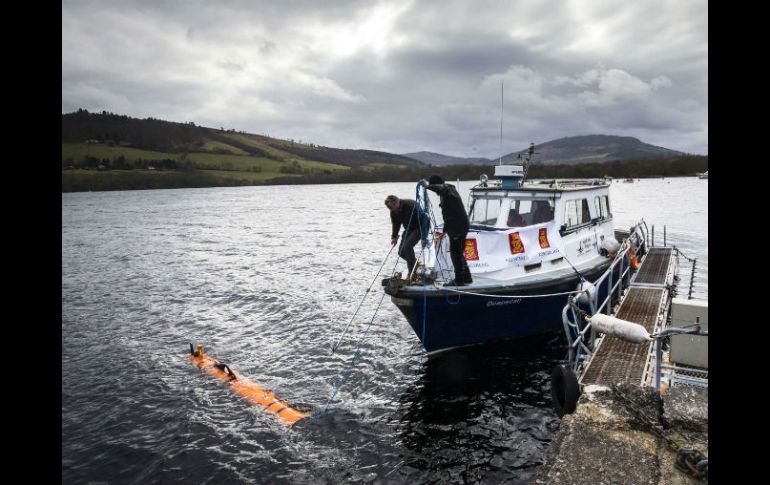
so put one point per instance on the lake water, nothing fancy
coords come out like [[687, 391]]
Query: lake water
[[266, 278]]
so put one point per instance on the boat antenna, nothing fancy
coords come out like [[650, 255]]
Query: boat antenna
[[530, 151], [500, 161]]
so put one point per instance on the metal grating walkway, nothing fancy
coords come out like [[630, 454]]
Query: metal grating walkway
[[656, 268], [616, 361]]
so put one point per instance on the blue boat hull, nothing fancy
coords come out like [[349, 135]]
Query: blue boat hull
[[453, 320]]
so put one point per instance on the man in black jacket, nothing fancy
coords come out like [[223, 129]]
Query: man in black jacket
[[404, 213], [456, 226]]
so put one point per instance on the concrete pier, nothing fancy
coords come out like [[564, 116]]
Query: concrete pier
[[618, 435], [621, 431]]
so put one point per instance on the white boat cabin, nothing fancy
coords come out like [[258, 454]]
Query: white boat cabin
[[528, 229]]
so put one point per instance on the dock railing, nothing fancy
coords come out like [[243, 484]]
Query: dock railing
[[697, 377], [580, 336]]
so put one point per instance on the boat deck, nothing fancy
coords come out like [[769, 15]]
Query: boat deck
[[645, 303]]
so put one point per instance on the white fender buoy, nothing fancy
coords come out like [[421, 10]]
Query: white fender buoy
[[583, 287], [610, 244], [622, 329]]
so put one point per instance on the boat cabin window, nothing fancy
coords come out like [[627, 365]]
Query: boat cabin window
[[576, 212], [528, 212], [542, 211], [602, 206], [485, 211]]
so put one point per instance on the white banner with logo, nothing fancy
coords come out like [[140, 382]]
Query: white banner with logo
[[487, 251]]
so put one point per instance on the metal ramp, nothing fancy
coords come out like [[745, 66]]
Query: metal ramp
[[657, 270], [615, 360], [646, 303]]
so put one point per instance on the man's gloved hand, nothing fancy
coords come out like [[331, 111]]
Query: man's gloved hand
[[393, 241]]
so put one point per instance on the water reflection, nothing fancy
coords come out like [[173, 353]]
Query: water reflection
[[496, 396]]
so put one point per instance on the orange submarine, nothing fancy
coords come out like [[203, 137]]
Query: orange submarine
[[245, 388]]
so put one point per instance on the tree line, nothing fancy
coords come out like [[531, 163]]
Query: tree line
[[181, 174], [114, 129], [677, 166]]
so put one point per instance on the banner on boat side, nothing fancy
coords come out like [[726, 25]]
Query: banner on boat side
[[471, 250], [488, 251]]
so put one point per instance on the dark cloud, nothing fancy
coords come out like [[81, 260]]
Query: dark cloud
[[400, 76]]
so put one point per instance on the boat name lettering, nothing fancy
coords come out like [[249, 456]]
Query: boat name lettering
[[548, 252], [478, 265], [504, 302]]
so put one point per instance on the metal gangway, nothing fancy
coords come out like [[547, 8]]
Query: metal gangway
[[640, 298]]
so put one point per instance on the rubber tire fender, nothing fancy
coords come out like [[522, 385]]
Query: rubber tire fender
[[565, 390]]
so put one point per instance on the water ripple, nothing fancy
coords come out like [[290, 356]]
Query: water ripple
[[267, 283]]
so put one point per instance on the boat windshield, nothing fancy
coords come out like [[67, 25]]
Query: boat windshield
[[515, 212], [526, 212], [485, 211]]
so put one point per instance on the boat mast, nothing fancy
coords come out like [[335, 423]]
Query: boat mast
[[500, 161], [530, 152]]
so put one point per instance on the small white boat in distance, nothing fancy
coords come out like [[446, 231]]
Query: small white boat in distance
[[703, 175]]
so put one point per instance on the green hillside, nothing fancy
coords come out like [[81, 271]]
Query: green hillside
[[115, 152], [106, 151], [91, 155]]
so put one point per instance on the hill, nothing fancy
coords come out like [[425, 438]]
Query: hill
[[438, 159], [565, 151], [105, 151], [174, 139], [593, 149]]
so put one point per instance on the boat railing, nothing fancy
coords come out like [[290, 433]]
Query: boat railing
[[692, 376], [581, 336], [635, 243]]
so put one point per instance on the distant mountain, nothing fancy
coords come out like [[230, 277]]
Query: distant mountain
[[592, 149], [439, 159], [567, 151]]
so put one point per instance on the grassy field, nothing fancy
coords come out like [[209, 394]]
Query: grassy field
[[195, 169], [213, 146], [77, 152], [255, 141], [377, 165]]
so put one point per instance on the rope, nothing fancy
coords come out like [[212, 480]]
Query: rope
[[352, 360], [690, 461], [336, 345], [424, 208], [357, 351], [449, 288], [427, 210], [679, 251]]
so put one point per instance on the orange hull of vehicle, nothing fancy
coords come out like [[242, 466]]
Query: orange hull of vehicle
[[247, 389]]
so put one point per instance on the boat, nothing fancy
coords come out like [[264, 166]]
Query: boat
[[530, 245], [628, 181], [703, 175]]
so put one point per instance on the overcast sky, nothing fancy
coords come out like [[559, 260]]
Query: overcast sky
[[398, 76]]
